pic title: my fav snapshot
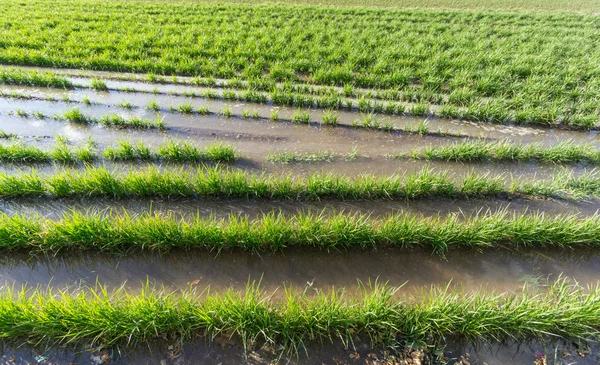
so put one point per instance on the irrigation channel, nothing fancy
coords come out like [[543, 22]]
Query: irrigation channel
[[74, 157]]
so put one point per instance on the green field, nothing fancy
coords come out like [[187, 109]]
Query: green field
[[589, 6], [520, 67], [143, 128]]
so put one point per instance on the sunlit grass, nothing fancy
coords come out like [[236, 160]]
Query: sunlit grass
[[479, 150], [75, 115], [122, 232], [233, 183], [95, 315]]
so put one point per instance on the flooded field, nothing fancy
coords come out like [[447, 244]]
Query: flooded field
[[414, 271], [38, 117]]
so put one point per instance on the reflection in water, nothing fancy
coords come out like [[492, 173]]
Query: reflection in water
[[189, 208], [498, 270]]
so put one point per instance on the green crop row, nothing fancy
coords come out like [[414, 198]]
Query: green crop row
[[104, 318], [113, 232], [226, 183], [171, 151], [564, 152]]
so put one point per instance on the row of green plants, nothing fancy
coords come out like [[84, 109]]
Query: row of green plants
[[15, 76], [551, 75], [370, 121], [325, 156], [488, 111], [255, 318], [124, 150], [115, 120], [563, 152], [216, 181], [273, 231]]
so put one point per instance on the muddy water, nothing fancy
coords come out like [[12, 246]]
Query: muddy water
[[161, 93], [497, 270], [525, 134], [190, 208], [256, 139]]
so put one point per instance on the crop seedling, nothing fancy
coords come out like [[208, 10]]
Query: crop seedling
[[4, 135], [76, 116], [275, 115], [294, 157], [423, 128], [21, 113], [152, 78], [185, 109], [203, 110], [330, 118], [226, 112], [153, 105], [301, 117], [98, 84], [62, 153], [127, 151]]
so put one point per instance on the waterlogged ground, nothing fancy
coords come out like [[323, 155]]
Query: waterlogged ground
[[497, 270], [227, 352], [415, 271]]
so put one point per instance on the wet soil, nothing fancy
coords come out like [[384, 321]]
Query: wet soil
[[226, 351]]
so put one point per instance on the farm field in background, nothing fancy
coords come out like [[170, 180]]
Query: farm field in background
[[299, 182], [451, 63], [584, 6]]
